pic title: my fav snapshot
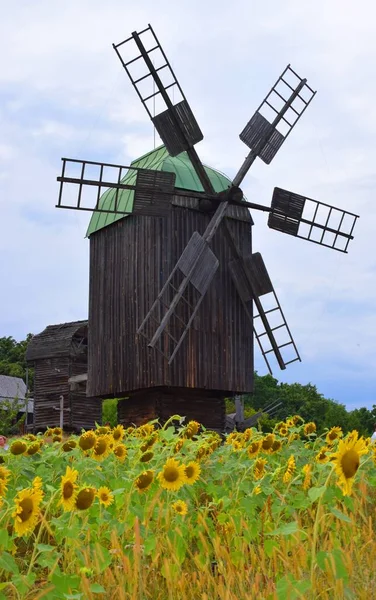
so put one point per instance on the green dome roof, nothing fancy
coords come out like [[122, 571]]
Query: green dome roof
[[159, 160]]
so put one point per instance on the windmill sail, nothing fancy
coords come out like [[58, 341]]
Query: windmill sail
[[252, 281], [311, 220], [274, 119], [157, 85]]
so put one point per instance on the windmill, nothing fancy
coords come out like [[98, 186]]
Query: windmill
[[171, 326]]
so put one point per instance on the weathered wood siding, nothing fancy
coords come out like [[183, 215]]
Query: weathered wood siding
[[129, 262]]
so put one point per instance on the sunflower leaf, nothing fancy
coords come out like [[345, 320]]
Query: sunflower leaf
[[316, 492], [340, 515]]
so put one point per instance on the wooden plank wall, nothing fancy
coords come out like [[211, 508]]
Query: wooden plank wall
[[129, 262]]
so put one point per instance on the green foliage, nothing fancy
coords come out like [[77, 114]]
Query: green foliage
[[109, 411], [12, 359], [9, 409]]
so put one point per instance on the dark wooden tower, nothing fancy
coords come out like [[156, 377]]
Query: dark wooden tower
[[176, 295], [58, 353]]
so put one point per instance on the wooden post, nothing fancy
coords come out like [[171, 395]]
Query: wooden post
[[239, 410]]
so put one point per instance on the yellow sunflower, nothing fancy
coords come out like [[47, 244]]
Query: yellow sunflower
[[105, 496], [33, 448], [27, 510], [102, 430], [322, 456], [293, 421], [180, 507], [144, 481], [256, 490], [37, 483], [259, 468], [309, 428], [290, 469], [57, 431], [4, 474], [149, 442], [57, 439], [120, 452], [101, 448], [254, 448], [18, 447], [85, 498], [236, 445], [307, 476], [172, 476], [276, 446], [283, 431], [247, 434], [178, 446], [68, 489], [333, 434], [192, 472], [143, 431], [87, 440], [146, 457], [267, 443], [118, 433], [192, 429], [3, 487], [69, 445], [203, 451], [347, 460]]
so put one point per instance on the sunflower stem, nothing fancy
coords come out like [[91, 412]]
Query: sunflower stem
[[315, 532]]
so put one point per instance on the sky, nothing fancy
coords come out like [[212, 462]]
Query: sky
[[63, 93]]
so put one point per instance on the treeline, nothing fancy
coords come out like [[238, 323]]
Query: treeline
[[304, 400]]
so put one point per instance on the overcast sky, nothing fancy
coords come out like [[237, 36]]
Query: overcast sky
[[63, 93]]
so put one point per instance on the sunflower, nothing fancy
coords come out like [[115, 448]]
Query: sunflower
[[27, 510], [102, 430], [120, 452], [236, 446], [57, 431], [293, 421], [48, 432], [118, 433], [105, 496], [69, 445], [232, 437], [333, 434], [149, 442], [247, 434], [178, 446], [202, 451], [276, 446], [68, 489], [259, 468], [87, 440], [267, 443], [347, 460], [30, 437], [180, 507], [144, 431], [307, 476], [85, 498], [144, 481], [18, 447], [322, 456], [290, 469], [309, 428], [146, 457], [192, 429], [101, 448], [283, 431], [172, 476], [57, 438], [192, 472], [37, 483], [254, 448], [4, 474], [257, 490], [33, 448]]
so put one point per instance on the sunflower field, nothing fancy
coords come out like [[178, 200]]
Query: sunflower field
[[178, 512]]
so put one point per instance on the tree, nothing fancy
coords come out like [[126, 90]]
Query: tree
[[12, 359]]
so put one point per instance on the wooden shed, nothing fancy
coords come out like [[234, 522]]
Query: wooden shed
[[57, 354], [130, 260]]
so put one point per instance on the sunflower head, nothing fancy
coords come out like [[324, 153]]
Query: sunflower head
[[267, 442], [144, 481], [118, 433], [192, 429], [30, 437], [192, 472], [57, 431], [178, 446], [180, 507], [172, 476], [105, 496], [101, 448], [347, 460], [146, 457], [26, 510], [322, 456], [202, 451], [33, 448], [18, 447], [120, 452], [333, 434], [57, 438], [247, 434], [259, 468], [4, 474], [307, 476], [290, 469], [69, 445], [309, 428], [149, 442], [144, 431], [87, 440], [102, 430], [254, 448], [276, 446], [85, 498]]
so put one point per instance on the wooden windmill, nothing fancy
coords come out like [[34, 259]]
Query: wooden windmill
[[173, 286]]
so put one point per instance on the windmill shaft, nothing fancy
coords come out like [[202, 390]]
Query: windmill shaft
[[201, 173]]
